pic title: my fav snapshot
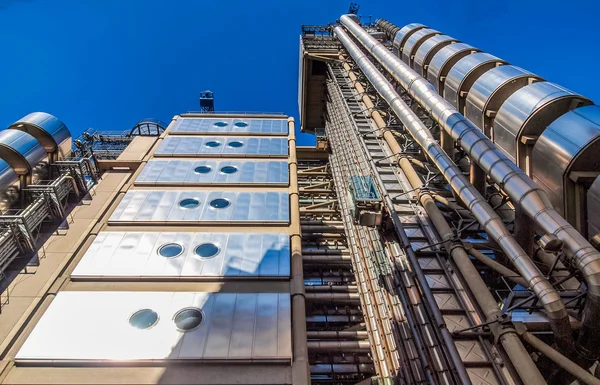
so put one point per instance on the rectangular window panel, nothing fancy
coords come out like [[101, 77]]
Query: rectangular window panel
[[230, 126], [186, 255], [199, 172], [85, 326], [210, 146], [151, 206]]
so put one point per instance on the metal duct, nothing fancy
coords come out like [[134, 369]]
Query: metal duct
[[444, 60], [428, 49], [593, 208], [403, 34], [525, 115], [522, 190], [464, 73], [565, 155], [9, 186], [482, 211], [50, 131], [414, 42], [491, 90], [24, 154]]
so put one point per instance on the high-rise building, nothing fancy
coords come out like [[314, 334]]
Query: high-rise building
[[442, 230]]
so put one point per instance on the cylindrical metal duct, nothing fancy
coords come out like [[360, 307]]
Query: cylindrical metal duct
[[482, 211], [24, 154], [9, 186], [520, 188], [52, 133]]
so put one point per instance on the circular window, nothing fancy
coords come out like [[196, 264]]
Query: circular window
[[219, 203], [236, 144], [229, 169], [188, 319], [170, 250], [189, 203], [143, 319], [241, 124], [221, 124], [207, 250], [212, 143], [202, 169]]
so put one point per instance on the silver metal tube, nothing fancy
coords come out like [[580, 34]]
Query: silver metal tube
[[517, 185], [482, 211], [363, 346]]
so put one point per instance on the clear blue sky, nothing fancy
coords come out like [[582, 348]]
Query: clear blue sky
[[107, 64]]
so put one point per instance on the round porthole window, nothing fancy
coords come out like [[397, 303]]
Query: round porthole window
[[202, 169], [241, 124], [229, 170], [189, 203], [212, 143], [235, 144], [207, 250], [143, 319], [170, 250], [219, 203], [188, 319], [221, 124]]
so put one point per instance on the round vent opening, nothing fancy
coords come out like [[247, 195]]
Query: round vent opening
[[188, 319], [143, 319], [207, 250]]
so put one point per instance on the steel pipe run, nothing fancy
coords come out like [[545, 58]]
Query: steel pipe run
[[362, 346], [506, 335], [571, 367], [300, 367], [517, 185], [497, 267], [337, 335], [485, 215]]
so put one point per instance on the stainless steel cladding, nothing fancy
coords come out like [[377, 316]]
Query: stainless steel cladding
[[565, 152], [52, 133], [593, 208], [9, 186], [525, 115], [89, 326], [187, 172], [414, 41], [404, 33], [482, 211], [442, 62], [222, 146], [151, 206], [517, 185], [464, 73], [491, 90], [24, 154], [428, 49], [226, 126], [186, 255]]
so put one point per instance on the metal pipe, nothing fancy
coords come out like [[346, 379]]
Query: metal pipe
[[497, 267], [484, 214], [506, 335], [325, 259], [517, 185], [343, 334], [570, 366], [300, 367], [362, 346], [332, 288]]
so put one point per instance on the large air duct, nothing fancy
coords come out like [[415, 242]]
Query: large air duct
[[52, 133], [519, 187]]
